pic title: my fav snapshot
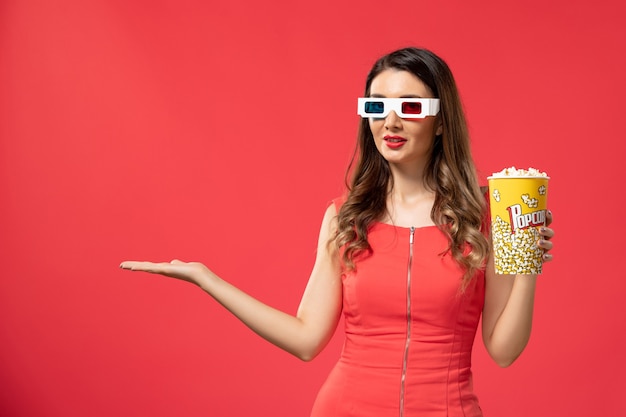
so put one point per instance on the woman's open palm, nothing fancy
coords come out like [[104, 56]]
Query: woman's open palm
[[193, 272]]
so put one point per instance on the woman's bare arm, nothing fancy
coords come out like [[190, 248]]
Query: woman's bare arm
[[303, 335], [508, 310]]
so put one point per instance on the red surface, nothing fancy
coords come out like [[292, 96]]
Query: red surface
[[122, 136]]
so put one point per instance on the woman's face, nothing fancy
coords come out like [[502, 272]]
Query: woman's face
[[403, 142]]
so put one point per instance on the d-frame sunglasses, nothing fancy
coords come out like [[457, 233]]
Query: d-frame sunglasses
[[406, 108]]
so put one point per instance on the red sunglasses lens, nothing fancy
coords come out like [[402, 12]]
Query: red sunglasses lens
[[411, 108]]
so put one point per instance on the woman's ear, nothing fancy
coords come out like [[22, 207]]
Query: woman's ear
[[439, 125]]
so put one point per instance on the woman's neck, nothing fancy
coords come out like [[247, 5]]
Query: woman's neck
[[408, 184], [410, 201]]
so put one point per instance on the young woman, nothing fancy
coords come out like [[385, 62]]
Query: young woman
[[406, 257]]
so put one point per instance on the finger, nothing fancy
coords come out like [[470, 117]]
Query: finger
[[548, 218], [132, 265], [546, 232], [128, 264], [144, 266], [544, 244], [547, 257]]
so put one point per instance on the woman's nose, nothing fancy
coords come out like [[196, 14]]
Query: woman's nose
[[392, 120]]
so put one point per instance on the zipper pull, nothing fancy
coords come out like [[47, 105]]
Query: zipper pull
[[412, 234]]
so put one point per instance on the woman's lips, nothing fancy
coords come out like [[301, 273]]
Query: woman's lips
[[394, 142]]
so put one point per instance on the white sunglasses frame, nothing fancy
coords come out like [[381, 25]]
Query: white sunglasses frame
[[430, 107]]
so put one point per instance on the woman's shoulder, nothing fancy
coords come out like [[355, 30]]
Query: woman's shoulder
[[338, 201]]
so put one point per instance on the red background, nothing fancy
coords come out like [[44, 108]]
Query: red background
[[218, 132]]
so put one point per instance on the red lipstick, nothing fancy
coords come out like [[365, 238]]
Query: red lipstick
[[394, 142]]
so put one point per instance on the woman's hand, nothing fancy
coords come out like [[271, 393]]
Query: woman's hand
[[546, 234], [193, 272]]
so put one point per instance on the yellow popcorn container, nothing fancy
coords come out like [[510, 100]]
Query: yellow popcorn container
[[518, 208]]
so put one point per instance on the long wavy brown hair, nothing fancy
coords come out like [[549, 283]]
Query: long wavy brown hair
[[459, 205]]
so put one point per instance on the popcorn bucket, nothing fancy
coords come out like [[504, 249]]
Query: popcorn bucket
[[518, 208]]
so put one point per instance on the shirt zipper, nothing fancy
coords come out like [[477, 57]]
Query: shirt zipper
[[408, 322]]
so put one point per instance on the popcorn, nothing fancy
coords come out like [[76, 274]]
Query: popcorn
[[530, 202], [515, 253], [518, 209], [514, 172], [496, 195]]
